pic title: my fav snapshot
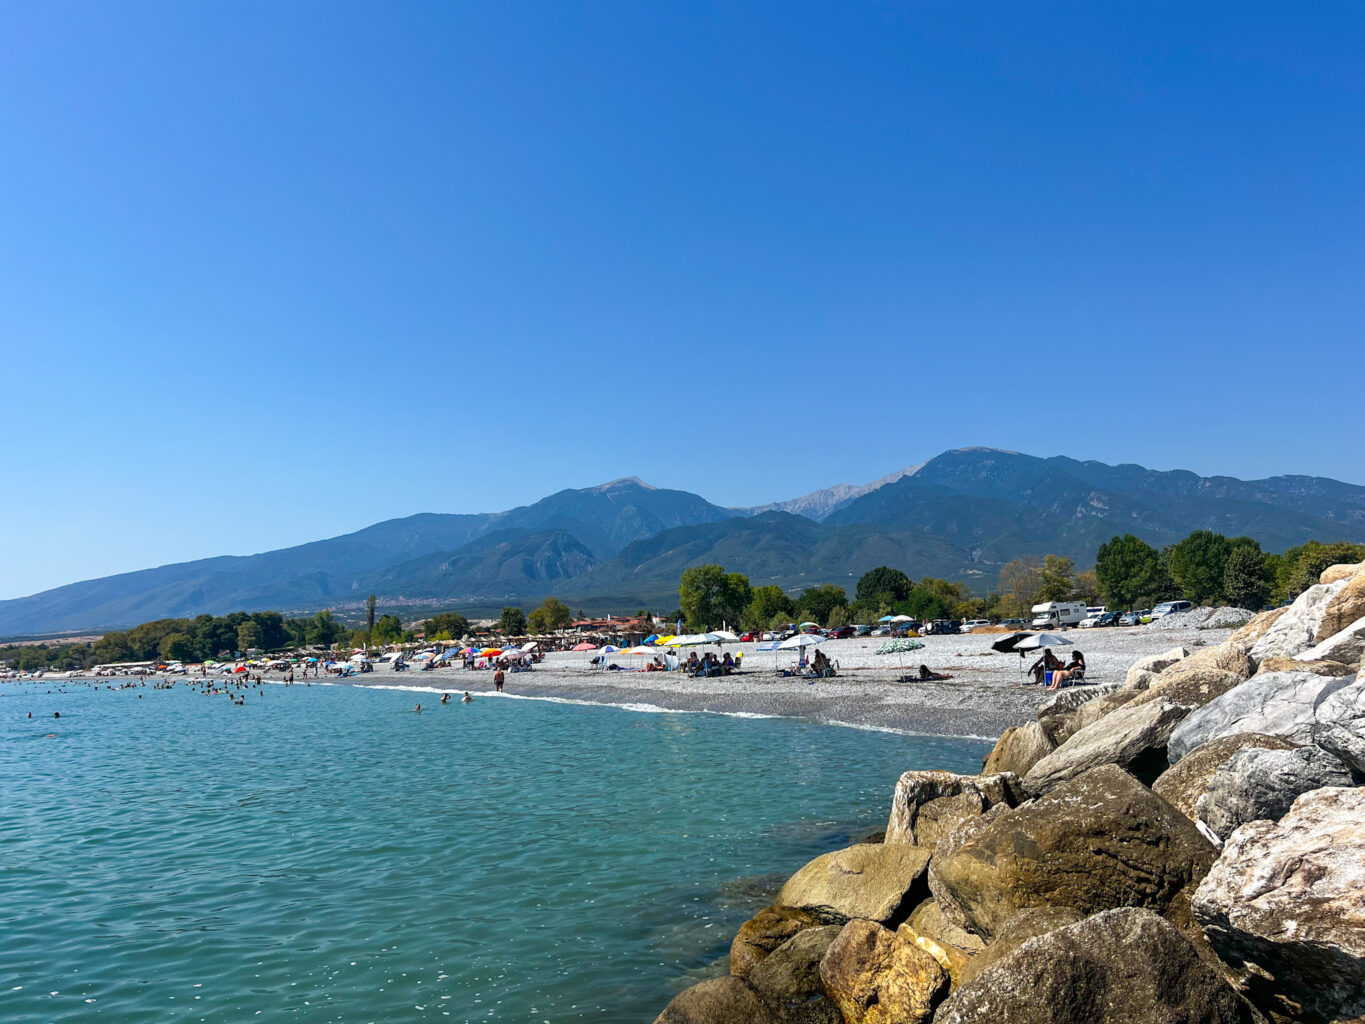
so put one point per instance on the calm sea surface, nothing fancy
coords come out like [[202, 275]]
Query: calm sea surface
[[324, 854]]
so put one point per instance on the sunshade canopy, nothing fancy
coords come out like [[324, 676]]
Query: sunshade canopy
[[1042, 640]]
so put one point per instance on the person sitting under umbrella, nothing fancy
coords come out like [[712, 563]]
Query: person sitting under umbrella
[[1073, 673], [928, 675], [1047, 663]]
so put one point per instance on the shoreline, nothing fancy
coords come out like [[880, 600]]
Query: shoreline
[[981, 701]]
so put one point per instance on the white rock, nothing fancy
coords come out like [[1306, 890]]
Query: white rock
[[1293, 632]]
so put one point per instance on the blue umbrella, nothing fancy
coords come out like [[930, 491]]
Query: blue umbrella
[[887, 618]]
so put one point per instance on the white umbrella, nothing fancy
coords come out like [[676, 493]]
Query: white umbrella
[[530, 645], [723, 636], [799, 642], [1033, 643]]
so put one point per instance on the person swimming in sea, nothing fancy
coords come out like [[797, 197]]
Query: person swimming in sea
[[445, 698], [467, 698], [417, 709]]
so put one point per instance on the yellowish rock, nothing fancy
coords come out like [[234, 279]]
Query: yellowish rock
[[876, 976]]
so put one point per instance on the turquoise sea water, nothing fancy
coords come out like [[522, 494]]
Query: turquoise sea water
[[324, 854]]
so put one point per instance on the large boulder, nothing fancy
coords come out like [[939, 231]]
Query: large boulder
[[877, 882], [1279, 663], [1018, 928], [1347, 605], [1069, 699], [763, 933], [1295, 631], [1123, 966], [1187, 780], [1344, 647], [788, 981], [1076, 707], [1131, 737], [1341, 571], [1277, 704], [1227, 656], [1259, 625], [1340, 725], [1285, 905], [1102, 840], [727, 1000], [1018, 749], [1258, 783], [877, 976], [953, 947], [926, 804], [1142, 670], [1191, 687]]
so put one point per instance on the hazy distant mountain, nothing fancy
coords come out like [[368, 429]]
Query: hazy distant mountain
[[819, 504], [960, 515]]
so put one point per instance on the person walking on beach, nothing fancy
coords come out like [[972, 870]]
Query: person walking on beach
[[498, 678]]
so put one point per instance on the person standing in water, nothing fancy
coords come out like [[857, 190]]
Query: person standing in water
[[498, 678], [467, 698]]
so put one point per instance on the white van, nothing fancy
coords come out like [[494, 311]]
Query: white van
[[1054, 614]]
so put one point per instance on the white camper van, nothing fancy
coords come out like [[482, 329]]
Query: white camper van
[[1058, 613]]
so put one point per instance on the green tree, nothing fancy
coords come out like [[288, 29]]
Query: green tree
[[388, 630], [1299, 567], [446, 625], [883, 580], [1021, 580], [838, 616], [1131, 573], [369, 614], [556, 615], [710, 596], [1246, 578], [178, 647], [1057, 582], [248, 636], [512, 622], [1086, 588], [324, 630], [1197, 565], [818, 603], [767, 604]]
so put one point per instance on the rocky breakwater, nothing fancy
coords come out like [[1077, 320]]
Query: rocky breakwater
[[1186, 846]]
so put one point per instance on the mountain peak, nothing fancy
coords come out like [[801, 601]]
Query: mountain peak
[[621, 484]]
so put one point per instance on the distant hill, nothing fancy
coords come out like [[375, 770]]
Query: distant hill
[[961, 515]]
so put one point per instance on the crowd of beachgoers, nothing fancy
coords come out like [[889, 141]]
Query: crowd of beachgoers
[[974, 690]]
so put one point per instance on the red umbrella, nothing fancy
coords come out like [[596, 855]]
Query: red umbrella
[[584, 647]]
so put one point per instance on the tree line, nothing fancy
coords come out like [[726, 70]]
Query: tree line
[[1206, 568]]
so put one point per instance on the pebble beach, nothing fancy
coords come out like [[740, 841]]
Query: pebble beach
[[984, 697]]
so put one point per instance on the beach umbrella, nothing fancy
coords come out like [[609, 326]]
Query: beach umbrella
[[651, 639], [490, 652], [585, 646], [799, 643], [640, 649], [902, 618], [898, 648], [723, 636], [1033, 643], [530, 645], [805, 624], [610, 649], [1007, 643]]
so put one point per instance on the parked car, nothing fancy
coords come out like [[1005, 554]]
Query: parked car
[[971, 624], [1170, 608], [1014, 623], [862, 630], [941, 627], [1135, 618], [882, 631], [749, 637], [840, 633]]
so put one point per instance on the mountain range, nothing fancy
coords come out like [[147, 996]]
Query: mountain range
[[618, 546]]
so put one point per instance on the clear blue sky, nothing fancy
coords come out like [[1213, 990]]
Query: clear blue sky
[[274, 271]]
